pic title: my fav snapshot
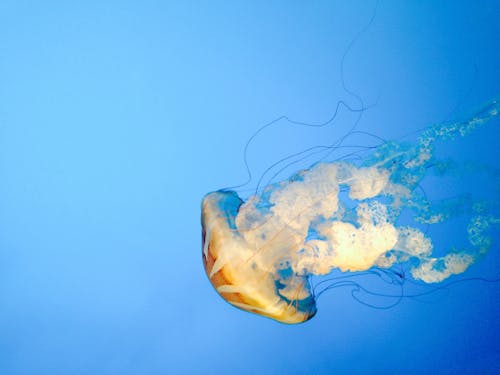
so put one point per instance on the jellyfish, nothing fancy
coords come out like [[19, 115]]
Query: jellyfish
[[260, 253]]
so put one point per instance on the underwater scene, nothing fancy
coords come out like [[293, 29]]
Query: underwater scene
[[249, 187]]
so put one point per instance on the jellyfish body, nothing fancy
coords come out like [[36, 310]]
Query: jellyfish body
[[259, 254]]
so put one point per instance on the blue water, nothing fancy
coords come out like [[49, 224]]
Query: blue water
[[117, 117]]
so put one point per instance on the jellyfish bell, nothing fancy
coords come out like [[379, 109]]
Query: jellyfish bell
[[240, 270]]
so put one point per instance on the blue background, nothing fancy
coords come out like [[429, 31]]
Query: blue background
[[117, 117]]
